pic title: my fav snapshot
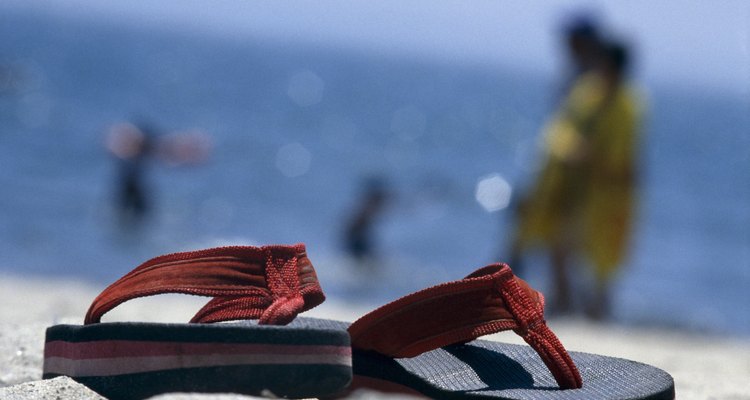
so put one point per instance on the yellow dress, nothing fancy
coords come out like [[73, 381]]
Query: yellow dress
[[585, 193]]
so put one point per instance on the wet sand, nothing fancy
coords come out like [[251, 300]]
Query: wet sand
[[703, 366]]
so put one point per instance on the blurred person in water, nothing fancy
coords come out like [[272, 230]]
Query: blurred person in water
[[358, 232], [135, 146], [582, 203]]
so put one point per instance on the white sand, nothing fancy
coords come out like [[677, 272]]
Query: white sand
[[704, 367]]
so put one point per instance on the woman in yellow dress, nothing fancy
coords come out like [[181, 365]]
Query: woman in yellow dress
[[583, 200]]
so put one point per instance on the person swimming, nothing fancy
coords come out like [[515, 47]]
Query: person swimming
[[358, 234], [134, 147]]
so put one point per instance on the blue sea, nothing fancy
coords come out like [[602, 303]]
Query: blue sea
[[296, 128]]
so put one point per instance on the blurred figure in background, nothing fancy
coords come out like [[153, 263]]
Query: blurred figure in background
[[582, 203], [583, 43], [134, 147], [358, 235]]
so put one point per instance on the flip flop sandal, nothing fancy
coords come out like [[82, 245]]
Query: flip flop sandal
[[271, 284], [424, 344]]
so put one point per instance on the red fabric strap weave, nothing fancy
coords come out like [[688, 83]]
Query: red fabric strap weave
[[270, 283], [489, 300]]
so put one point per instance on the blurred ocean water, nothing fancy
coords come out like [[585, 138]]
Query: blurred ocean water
[[295, 129]]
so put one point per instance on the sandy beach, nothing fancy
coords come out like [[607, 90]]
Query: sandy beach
[[703, 366]]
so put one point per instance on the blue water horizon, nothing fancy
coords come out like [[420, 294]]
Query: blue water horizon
[[432, 129]]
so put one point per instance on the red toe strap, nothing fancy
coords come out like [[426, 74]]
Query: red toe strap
[[534, 330], [270, 283], [488, 301]]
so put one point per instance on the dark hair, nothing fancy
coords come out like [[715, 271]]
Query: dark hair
[[582, 26], [617, 55]]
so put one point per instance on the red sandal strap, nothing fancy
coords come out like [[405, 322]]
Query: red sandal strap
[[269, 283], [489, 300]]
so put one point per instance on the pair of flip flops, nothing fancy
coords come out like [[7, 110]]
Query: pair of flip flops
[[248, 338]]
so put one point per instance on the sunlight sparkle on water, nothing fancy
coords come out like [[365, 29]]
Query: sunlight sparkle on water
[[305, 88], [293, 160], [493, 192]]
